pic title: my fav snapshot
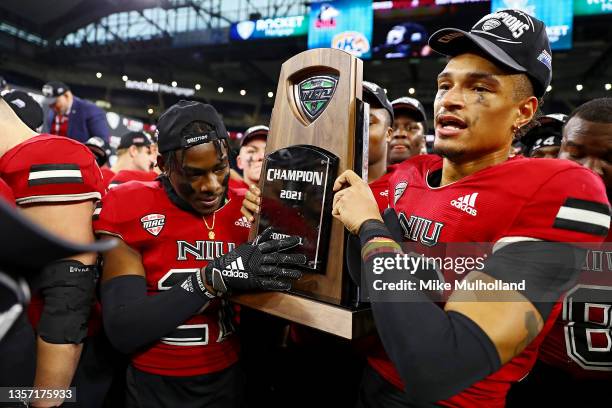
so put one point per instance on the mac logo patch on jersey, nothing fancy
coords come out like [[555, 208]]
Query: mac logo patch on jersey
[[399, 190], [153, 223]]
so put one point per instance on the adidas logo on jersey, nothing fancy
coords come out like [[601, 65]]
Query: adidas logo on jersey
[[466, 203], [243, 222], [235, 270]]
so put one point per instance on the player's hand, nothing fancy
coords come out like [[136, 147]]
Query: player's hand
[[260, 265], [354, 202], [251, 202]]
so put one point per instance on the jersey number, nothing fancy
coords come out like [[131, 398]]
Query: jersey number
[[194, 334], [588, 333]]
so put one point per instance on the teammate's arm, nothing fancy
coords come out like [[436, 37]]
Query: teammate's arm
[[132, 318], [57, 358]]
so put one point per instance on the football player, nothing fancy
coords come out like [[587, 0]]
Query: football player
[[409, 126], [55, 181], [544, 140], [468, 353], [181, 249], [135, 159], [577, 354], [251, 154]]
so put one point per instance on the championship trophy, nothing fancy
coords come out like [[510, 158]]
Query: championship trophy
[[319, 128]]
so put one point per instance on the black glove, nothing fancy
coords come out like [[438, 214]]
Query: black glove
[[256, 266]]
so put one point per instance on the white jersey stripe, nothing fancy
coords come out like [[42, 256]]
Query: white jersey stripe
[[47, 174], [587, 216]]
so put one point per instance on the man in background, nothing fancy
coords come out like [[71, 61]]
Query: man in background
[[544, 141], [102, 151], [251, 155], [135, 160], [409, 125], [71, 116]]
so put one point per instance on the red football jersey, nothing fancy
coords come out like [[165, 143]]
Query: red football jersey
[[519, 199], [581, 340], [172, 244], [380, 188], [123, 176], [51, 169], [238, 185], [107, 175]]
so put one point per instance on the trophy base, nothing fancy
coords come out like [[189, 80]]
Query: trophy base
[[343, 322]]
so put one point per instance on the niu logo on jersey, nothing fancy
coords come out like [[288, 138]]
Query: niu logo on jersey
[[153, 223], [420, 229], [235, 270], [466, 203]]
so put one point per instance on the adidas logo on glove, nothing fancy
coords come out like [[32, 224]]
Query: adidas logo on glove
[[235, 270]]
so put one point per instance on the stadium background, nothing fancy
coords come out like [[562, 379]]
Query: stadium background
[[135, 58]]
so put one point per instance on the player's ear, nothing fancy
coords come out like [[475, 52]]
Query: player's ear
[[240, 162], [389, 134], [527, 109], [133, 150]]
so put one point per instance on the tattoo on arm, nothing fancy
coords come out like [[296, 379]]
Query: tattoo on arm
[[533, 325]]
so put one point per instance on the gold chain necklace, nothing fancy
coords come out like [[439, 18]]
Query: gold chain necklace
[[211, 233]]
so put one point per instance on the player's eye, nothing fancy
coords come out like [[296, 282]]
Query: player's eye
[[443, 86], [220, 169], [480, 89]]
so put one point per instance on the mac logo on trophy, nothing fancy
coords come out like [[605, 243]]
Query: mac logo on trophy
[[314, 94], [317, 131]]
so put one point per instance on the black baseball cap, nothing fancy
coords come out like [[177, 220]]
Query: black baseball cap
[[511, 38], [260, 131], [548, 133], [172, 122], [379, 94], [51, 90], [100, 148], [134, 139], [28, 110], [410, 104]]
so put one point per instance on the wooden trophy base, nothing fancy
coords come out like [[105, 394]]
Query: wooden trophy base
[[343, 322]]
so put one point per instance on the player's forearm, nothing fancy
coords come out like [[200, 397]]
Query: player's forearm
[[437, 354], [133, 319], [55, 367]]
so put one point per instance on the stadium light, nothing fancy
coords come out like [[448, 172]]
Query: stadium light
[[270, 94], [150, 111], [579, 87], [174, 84], [98, 75], [242, 92], [198, 87], [124, 78], [411, 91], [149, 81], [220, 89], [608, 86]]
